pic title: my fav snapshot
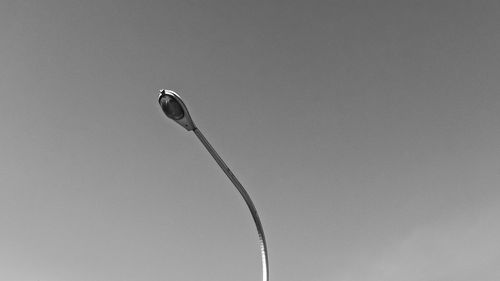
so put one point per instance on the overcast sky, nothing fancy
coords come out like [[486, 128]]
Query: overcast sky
[[366, 132]]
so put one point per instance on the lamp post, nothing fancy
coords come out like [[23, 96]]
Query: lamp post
[[175, 109]]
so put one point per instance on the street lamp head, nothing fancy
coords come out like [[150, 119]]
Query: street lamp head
[[175, 109], [171, 108]]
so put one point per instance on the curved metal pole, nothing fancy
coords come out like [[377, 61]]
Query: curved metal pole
[[246, 197]]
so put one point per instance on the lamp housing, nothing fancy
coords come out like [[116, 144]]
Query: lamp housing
[[175, 109]]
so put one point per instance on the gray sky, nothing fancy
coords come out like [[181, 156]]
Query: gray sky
[[367, 134]]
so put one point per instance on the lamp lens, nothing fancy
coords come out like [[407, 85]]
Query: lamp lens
[[171, 108]]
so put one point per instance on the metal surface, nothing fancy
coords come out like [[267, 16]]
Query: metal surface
[[246, 197]]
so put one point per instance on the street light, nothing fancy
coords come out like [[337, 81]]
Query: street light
[[175, 109]]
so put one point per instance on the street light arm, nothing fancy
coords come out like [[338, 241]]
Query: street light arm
[[246, 197]]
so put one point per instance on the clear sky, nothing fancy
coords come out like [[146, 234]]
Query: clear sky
[[368, 135]]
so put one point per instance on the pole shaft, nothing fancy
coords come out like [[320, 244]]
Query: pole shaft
[[246, 197]]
